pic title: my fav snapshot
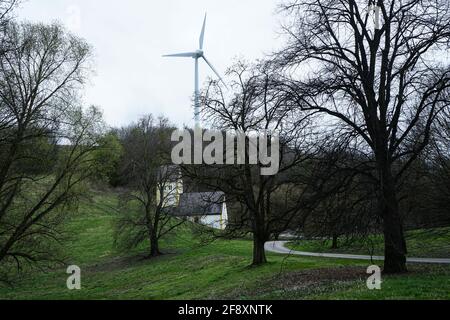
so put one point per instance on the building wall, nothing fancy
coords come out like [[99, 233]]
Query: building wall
[[212, 221], [218, 222], [224, 217], [172, 192]]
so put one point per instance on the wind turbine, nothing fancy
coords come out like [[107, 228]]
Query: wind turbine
[[198, 54]]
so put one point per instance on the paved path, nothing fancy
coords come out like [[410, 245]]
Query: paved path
[[279, 247]]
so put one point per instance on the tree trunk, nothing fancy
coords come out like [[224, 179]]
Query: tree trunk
[[154, 246], [259, 238], [394, 239], [259, 253], [334, 245]]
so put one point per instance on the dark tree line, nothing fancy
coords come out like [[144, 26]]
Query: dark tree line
[[347, 211]]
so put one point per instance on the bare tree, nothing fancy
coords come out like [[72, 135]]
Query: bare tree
[[262, 205], [150, 198], [6, 17], [384, 82], [45, 138], [6, 9], [439, 174]]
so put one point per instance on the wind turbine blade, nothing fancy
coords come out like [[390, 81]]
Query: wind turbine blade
[[183, 55], [202, 34], [215, 71]]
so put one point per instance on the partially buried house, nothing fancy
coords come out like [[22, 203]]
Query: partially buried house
[[207, 208]]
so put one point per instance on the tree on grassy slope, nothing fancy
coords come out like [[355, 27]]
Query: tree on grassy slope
[[46, 139], [145, 213], [385, 83], [262, 205]]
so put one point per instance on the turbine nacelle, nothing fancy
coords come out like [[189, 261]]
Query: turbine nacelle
[[198, 54]]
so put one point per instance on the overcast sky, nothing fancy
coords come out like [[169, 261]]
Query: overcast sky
[[129, 38]]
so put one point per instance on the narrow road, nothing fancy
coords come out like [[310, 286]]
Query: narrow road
[[279, 247]]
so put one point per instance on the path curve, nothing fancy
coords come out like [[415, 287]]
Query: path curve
[[279, 247]]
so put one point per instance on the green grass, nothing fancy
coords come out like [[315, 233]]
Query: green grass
[[189, 270], [425, 243], [430, 284], [422, 283]]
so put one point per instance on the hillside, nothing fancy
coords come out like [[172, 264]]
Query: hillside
[[221, 269]]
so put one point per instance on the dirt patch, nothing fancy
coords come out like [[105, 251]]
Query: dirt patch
[[121, 263], [323, 274], [300, 284], [304, 284]]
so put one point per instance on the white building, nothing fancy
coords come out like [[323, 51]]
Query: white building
[[207, 208]]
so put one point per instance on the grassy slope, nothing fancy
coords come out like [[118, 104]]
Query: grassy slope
[[433, 283], [191, 271]]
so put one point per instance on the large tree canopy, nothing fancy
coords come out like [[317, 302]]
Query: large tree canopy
[[45, 137], [385, 85]]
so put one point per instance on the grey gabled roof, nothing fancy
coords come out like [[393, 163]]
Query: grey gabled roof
[[200, 204]]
